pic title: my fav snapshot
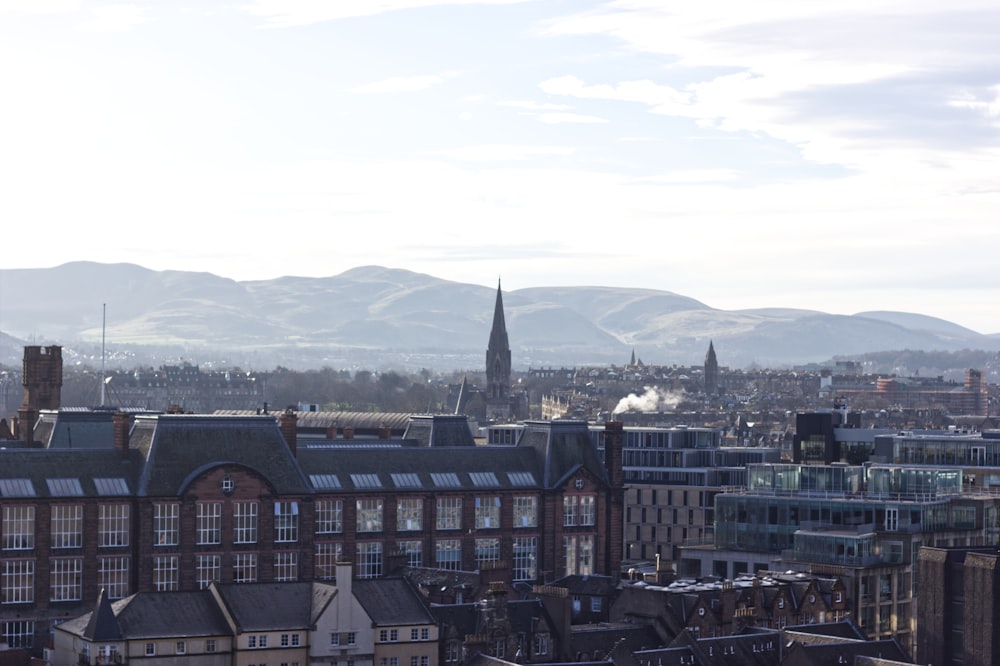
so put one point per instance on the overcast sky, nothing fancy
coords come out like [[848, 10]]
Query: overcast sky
[[838, 156]]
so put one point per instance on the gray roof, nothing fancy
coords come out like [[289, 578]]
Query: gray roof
[[67, 472], [562, 448], [275, 606], [481, 467], [158, 615], [392, 601], [180, 447]]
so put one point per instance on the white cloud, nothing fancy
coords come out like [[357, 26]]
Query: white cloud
[[502, 152], [534, 106], [401, 84], [287, 13], [39, 6], [115, 18], [557, 118]]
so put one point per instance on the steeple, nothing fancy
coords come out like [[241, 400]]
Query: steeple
[[498, 357], [711, 370]]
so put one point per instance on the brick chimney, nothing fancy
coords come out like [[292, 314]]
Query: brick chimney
[[614, 441], [384, 432], [348, 432], [26, 419], [122, 423], [288, 423]]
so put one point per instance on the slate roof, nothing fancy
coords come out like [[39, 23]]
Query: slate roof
[[392, 602], [439, 430], [835, 654], [274, 606], [346, 464], [76, 428], [598, 641], [158, 615], [590, 585], [562, 448], [362, 422], [178, 447], [28, 471]]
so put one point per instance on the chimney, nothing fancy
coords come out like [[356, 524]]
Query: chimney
[[288, 424], [614, 441], [26, 419], [614, 438], [121, 422], [348, 432], [384, 432], [331, 431]]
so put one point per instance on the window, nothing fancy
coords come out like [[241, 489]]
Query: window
[[165, 573], [262, 641], [352, 638], [67, 526], [165, 524], [112, 575], [383, 636], [410, 514], [208, 570], [414, 552], [541, 644], [414, 634], [295, 640], [150, 649], [244, 522], [588, 512], [19, 633], [525, 512], [596, 604], [209, 523], [286, 566], [499, 648], [393, 635], [579, 554], [425, 634], [112, 525], [449, 513], [451, 652], [329, 516], [210, 645], [286, 522], [245, 568], [284, 640], [369, 515], [327, 556], [570, 503], [891, 519], [525, 557], [65, 576], [334, 640], [487, 513], [18, 582], [487, 551], [18, 527], [251, 642], [448, 554], [369, 559], [181, 647]]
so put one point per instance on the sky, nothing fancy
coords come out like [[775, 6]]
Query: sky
[[841, 157]]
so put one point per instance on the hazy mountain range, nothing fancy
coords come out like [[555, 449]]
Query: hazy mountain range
[[377, 317]]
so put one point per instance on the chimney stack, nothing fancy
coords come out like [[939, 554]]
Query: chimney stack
[[122, 423], [384, 432], [348, 432], [288, 424], [26, 419]]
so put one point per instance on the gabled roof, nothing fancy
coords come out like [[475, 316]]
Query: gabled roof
[[391, 602], [103, 625], [153, 615], [274, 606], [178, 447], [440, 430], [836, 654]]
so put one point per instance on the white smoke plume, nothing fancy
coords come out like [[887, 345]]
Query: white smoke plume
[[653, 400]]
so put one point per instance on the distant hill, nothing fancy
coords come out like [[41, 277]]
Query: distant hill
[[376, 317]]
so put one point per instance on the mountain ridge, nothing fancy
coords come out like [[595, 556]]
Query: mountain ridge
[[377, 316]]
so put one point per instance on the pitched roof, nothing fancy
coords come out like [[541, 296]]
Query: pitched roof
[[178, 447], [562, 448], [274, 606], [391, 601], [67, 472], [153, 615], [103, 625]]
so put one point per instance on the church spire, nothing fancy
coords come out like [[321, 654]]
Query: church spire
[[498, 355]]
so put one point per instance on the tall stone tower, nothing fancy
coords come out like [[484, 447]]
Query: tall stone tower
[[42, 376], [711, 371], [498, 364]]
